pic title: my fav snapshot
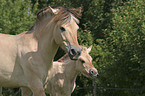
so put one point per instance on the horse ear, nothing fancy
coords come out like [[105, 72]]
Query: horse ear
[[89, 49], [54, 11]]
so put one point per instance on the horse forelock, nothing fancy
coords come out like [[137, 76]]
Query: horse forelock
[[42, 12], [64, 15]]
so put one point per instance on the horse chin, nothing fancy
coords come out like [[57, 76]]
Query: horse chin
[[73, 56], [93, 77], [73, 52], [88, 75]]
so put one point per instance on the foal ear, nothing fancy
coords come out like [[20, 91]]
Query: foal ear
[[80, 9], [54, 11], [89, 49]]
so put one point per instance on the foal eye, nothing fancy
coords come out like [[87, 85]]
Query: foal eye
[[62, 29], [82, 61]]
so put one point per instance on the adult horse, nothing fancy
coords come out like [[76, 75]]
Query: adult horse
[[26, 58], [62, 75]]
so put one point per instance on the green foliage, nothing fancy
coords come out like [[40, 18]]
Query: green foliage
[[85, 37], [122, 56], [16, 16], [115, 28]]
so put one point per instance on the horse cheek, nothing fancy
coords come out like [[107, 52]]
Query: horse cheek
[[58, 39]]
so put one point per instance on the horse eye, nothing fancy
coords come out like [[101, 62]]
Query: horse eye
[[62, 29], [82, 61]]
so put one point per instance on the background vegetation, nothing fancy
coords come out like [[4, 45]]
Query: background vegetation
[[115, 28]]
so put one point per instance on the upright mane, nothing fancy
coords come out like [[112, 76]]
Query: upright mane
[[64, 15]]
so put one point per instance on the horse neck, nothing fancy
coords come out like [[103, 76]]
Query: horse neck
[[46, 43], [71, 71], [61, 70]]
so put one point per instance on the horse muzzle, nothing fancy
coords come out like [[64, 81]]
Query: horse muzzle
[[73, 52], [93, 72]]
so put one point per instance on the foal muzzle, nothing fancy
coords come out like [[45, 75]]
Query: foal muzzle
[[93, 72]]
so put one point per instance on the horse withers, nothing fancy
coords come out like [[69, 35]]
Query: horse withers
[[26, 58]]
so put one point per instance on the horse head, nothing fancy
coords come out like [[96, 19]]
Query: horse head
[[65, 31], [84, 64]]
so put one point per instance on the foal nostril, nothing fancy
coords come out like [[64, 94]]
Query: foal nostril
[[93, 73]]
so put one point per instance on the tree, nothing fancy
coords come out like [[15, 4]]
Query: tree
[[115, 28], [122, 56], [16, 16]]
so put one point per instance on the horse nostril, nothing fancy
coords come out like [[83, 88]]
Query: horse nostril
[[73, 52], [93, 73]]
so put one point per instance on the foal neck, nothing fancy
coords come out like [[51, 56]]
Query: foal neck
[[70, 71]]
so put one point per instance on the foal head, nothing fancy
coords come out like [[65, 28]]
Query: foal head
[[84, 64], [63, 23]]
